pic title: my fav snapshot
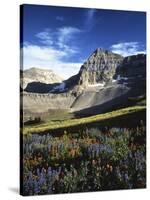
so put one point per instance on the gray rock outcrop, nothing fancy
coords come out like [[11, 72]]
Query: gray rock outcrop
[[99, 68]]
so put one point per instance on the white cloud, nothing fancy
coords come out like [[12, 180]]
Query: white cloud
[[45, 37], [56, 48], [127, 48], [59, 38], [66, 34], [49, 58]]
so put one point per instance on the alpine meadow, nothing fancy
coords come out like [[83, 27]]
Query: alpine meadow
[[83, 100]]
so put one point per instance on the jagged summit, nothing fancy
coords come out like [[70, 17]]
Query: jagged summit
[[100, 67], [101, 51]]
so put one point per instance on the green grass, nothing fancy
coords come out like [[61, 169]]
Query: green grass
[[58, 115], [51, 125]]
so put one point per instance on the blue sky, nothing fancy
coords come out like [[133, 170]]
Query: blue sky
[[62, 38]]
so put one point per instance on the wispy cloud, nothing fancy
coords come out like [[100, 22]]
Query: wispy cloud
[[53, 52], [90, 14], [65, 35], [60, 18], [68, 32], [45, 37], [60, 38], [90, 19], [127, 48]]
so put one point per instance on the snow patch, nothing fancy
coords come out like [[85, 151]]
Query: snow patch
[[124, 78], [59, 88], [119, 78], [97, 84]]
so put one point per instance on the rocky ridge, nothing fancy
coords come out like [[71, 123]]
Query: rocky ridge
[[39, 75], [100, 67], [105, 81]]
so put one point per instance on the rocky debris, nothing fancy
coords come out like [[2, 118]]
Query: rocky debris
[[38, 103], [91, 102]]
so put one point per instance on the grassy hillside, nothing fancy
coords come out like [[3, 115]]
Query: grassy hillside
[[70, 123]]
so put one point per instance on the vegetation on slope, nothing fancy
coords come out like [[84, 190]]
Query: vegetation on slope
[[82, 121]]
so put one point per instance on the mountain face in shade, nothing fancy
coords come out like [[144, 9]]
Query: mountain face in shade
[[133, 66], [39, 75]]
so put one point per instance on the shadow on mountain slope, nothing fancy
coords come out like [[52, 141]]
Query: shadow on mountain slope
[[38, 87], [116, 103]]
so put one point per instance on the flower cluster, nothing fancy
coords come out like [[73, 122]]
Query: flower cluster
[[105, 160]]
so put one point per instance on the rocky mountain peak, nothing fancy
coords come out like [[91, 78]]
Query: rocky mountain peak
[[39, 75], [100, 67], [99, 52]]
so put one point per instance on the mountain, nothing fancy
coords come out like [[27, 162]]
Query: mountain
[[100, 67], [119, 80], [106, 81], [33, 75]]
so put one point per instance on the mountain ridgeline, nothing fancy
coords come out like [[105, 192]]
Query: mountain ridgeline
[[36, 75], [99, 68], [104, 82]]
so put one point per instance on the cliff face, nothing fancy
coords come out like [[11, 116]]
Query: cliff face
[[133, 66], [99, 68], [38, 103]]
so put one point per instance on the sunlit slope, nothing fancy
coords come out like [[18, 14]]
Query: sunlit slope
[[86, 120]]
